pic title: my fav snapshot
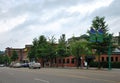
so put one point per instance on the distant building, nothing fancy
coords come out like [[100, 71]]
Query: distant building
[[22, 52], [116, 40], [2, 53]]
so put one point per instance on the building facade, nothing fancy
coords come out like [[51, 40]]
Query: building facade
[[21, 52]]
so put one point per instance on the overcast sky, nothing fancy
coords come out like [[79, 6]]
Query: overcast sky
[[23, 20]]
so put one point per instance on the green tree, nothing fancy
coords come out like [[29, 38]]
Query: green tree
[[42, 49], [1, 59], [6, 60], [100, 42], [14, 56], [79, 49], [52, 49], [33, 51], [62, 50]]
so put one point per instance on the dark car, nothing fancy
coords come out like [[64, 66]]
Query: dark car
[[24, 65]]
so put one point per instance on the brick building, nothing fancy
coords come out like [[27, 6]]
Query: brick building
[[21, 52], [115, 56]]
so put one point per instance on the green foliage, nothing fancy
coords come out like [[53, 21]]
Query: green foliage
[[1, 59], [79, 48], [62, 50], [32, 54], [4, 60], [100, 41], [99, 23], [39, 48], [14, 56], [52, 48], [93, 64], [42, 48]]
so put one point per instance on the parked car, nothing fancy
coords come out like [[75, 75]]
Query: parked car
[[2, 65], [34, 65], [11, 64], [24, 64], [17, 65]]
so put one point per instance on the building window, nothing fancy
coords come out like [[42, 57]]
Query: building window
[[102, 59], [73, 60], [107, 59], [111, 58], [68, 60], [116, 59]]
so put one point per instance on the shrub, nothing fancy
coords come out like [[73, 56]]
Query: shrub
[[105, 64]]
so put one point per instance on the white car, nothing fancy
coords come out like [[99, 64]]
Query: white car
[[2, 65], [34, 65], [16, 65]]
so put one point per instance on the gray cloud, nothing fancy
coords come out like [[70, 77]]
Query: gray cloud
[[63, 3], [111, 14], [110, 11]]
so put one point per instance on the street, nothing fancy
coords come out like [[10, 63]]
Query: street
[[54, 75]]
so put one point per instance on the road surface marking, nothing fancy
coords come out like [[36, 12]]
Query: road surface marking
[[45, 81]]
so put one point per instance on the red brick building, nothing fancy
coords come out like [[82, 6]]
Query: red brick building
[[61, 62], [115, 56], [21, 52]]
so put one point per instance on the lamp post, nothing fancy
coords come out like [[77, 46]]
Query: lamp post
[[109, 53]]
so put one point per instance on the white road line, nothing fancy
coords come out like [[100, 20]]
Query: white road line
[[45, 81]]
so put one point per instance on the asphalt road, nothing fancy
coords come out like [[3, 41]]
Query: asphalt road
[[53, 75]]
